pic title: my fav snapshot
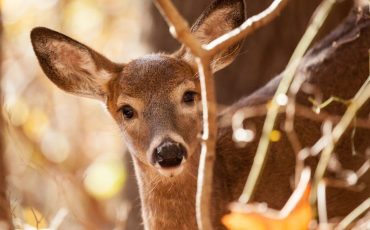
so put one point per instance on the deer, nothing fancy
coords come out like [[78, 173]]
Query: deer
[[155, 101]]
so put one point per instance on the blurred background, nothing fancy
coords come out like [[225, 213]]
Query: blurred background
[[67, 167], [64, 153]]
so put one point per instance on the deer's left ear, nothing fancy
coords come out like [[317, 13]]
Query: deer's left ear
[[219, 18], [72, 66]]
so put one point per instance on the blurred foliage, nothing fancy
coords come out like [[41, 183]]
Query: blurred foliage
[[64, 153]]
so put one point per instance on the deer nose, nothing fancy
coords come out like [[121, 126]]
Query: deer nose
[[169, 154]]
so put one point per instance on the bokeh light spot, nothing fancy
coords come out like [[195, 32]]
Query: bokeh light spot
[[275, 135], [82, 18], [18, 112], [36, 124], [105, 178], [55, 146], [244, 135], [282, 99]]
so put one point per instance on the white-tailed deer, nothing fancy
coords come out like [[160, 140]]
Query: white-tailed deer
[[154, 101]]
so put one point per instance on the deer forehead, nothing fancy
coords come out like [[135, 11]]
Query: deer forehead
[[153, 77]]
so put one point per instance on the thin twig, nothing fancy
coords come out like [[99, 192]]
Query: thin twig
[[179, 27], [361, 97], [318, 19], [300, 111], [181, 31], [207, 156], [248, 27], [36, 218], [354, 214], [322, 210], [58, 218]]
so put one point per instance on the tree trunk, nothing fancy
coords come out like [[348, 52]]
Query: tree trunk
[[5, 215]]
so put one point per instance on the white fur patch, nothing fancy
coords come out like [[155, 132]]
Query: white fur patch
[[171, 172], [178, 93]]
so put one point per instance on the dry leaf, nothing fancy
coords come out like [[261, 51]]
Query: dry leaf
[[295, 215]]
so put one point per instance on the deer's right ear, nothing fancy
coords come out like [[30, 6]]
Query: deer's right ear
[[71, 65], [219, 18]]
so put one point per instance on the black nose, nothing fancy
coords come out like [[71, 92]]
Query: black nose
[[169, 154]]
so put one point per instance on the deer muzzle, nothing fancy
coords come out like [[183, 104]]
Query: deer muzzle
[[169, 155]]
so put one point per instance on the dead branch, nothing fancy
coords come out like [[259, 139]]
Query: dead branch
[[361, 97], [362, 208], [301, 111], [179, 27], [207, 156], [318, 19], [248, 27]]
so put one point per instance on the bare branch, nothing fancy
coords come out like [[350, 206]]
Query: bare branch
[[179, 27], [322, 209], [354, 214], [300, 111], [361, 97], [207, 156], [248, 27], [318, 19], [180, 30]]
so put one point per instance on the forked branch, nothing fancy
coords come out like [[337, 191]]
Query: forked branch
[[247, 28], [179, 27]]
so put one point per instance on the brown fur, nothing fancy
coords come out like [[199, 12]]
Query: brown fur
[[153, 86], [162, 198], [72, 66], [220, 16]]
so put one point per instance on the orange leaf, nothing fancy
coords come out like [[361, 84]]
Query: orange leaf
[[295, 215]]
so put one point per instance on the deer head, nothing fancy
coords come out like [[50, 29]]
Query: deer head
[[153, 98]]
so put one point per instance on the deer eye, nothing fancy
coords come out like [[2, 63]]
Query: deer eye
[[189, 97], [128, 112]]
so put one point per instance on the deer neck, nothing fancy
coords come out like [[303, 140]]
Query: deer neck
[[168, 203]]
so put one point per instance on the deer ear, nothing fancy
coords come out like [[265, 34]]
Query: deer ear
[[219, 18], [71, 65]]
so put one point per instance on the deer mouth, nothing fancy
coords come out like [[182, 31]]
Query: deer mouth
[[171, 171]]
